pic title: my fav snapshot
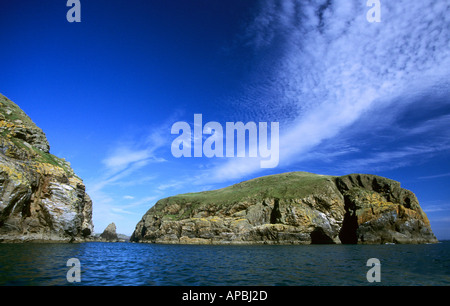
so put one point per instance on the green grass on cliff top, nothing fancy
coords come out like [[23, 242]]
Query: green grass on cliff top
[[289, 185], [15, 112], [12, 112]]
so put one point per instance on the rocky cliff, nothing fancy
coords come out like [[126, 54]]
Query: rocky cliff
[[291, 208], [41, 198]]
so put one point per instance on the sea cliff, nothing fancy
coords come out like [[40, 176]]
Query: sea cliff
[[291, 208], [41, 198]]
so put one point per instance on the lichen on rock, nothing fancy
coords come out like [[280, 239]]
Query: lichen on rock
[[290, 208], [41, 198]]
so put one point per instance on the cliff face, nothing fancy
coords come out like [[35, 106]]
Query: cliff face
[[290, 208], [41, 198]]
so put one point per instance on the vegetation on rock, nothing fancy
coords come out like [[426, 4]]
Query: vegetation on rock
[[290, 208], [41, 198]]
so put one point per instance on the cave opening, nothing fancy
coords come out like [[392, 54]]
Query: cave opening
[[318, 236], [275, 215]]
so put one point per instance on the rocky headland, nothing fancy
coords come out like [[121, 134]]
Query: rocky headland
[[290, 208], [41, 198]]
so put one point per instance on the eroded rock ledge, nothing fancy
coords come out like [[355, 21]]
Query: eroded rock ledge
[[291, 208]]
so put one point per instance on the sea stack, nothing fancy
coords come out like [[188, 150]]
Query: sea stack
[[291, 208], [110, 234], [41, 198]]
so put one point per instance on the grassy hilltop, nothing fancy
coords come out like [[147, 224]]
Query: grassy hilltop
[[294, 207]]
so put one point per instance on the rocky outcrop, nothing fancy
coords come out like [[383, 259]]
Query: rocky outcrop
[[378, 210], [290, 208], [41, 198], [110, 234]]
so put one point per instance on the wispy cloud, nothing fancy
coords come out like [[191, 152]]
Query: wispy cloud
[[117, 176], [437, 212], [436, 208], [389, 160], [122, 169], [429, 177], [123, 157], [337, 68], [172, 184], [339, 86], [127, 157], [140, 202]]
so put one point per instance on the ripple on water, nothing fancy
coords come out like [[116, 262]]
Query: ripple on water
[[126, 264]]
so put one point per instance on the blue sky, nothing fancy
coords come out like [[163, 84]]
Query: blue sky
[[350, 96]]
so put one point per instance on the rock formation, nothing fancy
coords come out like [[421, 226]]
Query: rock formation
[[41, 198], [110, 234], [290, 208]]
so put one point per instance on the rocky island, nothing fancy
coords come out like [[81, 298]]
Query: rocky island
[[41, 198], [291, 208]]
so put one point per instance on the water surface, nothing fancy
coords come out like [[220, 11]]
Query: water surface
[[192, 265]]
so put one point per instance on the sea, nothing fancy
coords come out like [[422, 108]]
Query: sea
[[136, 264]]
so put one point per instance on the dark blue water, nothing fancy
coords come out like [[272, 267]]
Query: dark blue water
[[190, 265]]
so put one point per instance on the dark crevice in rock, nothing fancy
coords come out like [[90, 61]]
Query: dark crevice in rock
[[348, 233], [86, 232], [275, 215], [318, 236], [407, 202], [144, 231]]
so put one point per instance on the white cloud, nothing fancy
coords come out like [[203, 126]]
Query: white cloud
[[338, 67], [172, 185], [122, 157], [120, 211], [435, 208], [116, 176], [429, 177], [387, 160], [327, 70], [122, 168], [128, 157], [143, 201]]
